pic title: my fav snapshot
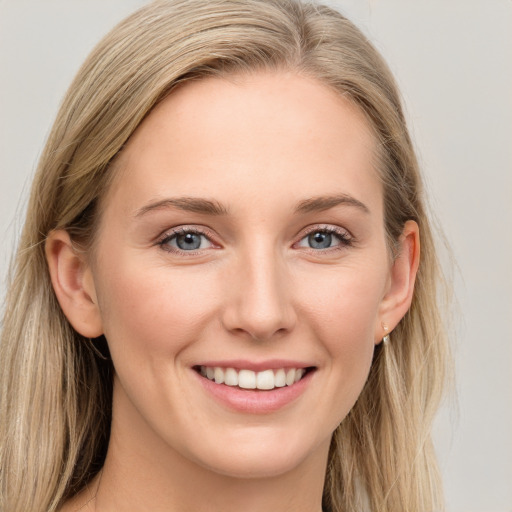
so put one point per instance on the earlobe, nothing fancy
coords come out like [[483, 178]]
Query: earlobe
[[73, 284], [399, 294]]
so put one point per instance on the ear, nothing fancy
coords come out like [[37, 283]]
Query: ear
[[73, 283], [398, 297]]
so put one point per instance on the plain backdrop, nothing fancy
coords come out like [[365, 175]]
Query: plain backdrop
[[453, 62]]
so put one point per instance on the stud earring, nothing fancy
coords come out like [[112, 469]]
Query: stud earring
[[386, 339]]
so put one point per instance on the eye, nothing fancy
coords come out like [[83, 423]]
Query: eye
[[325, 238], [186, 240]]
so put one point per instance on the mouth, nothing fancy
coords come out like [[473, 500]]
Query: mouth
[[245, 379]]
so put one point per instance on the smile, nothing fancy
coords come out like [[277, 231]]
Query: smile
[[248, 379], [250, 387]]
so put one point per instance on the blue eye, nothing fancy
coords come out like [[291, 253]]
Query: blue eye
[[320, 240], [186, 240], [325, 239]]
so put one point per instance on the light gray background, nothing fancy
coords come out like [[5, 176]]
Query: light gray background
[[453, 61]]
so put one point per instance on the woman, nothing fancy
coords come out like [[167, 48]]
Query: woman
[[219, 300]]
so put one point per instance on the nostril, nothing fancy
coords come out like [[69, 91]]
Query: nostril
[[259, 307]]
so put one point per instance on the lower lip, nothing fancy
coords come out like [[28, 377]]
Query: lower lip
[[253, 401]]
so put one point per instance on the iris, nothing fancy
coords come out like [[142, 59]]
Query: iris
[[320, 240]]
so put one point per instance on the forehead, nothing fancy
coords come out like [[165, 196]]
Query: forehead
[[254, 135]]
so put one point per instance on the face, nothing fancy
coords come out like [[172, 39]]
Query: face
[[241, 273]]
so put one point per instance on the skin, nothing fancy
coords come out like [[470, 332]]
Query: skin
[[259, 147]]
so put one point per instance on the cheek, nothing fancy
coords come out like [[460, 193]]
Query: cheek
[[153, 310], [343, 310], [344, 302]]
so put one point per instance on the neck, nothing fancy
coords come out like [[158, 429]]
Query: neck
[[183, 487]]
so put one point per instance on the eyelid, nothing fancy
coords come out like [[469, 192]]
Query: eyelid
[[331, 228], [345, 236], [167, 235]]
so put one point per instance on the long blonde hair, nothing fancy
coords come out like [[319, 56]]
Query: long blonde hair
[[55, 386]]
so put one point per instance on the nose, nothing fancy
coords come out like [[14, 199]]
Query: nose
[[259, 297]]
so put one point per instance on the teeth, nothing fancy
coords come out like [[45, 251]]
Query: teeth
[[280, 378], [290, 376], [265, 380], [231, 377], [247, 379], [218, 375], [298, 374]]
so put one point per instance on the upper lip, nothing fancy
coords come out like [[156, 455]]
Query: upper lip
[[256, 366]]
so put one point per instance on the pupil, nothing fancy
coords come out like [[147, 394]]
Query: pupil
[[188, 241], [320, 240]]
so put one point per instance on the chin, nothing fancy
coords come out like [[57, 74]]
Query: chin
[[261, 456]]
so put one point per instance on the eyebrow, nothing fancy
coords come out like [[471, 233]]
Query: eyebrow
[[322, 203], [188, 204], [212, 207]]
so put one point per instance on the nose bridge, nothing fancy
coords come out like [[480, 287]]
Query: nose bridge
[[260, 304]]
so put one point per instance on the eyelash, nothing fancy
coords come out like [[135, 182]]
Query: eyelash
[[345, 239], [164, 241]]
